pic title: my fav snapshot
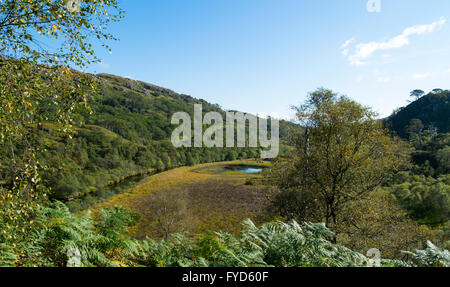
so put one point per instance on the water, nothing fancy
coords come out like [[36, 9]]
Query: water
[[250, 170], [245, 169], [104, 193]]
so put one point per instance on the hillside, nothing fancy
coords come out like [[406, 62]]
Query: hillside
[[431, 109], [126, 134]]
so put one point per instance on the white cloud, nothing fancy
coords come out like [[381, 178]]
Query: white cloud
[[360, 78], [365, 50], [347, 43], [423, 29], [344, 47], [421, 76]]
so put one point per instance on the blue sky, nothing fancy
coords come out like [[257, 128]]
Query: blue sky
[[262, 56]]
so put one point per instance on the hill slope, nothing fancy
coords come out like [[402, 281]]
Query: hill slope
[[433, 108], [127, 134]]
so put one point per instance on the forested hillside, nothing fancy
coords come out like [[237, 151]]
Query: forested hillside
[[126, 132], [433, 111], [424, 188]]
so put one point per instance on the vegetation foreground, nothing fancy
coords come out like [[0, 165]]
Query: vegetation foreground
[[61, 238]]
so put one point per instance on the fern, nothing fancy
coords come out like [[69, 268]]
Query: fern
[[7, 258], [57, 234], [431, 257]]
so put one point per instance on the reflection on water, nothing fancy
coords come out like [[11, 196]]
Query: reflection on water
[[250, 170], [104, 193], [246, 169]]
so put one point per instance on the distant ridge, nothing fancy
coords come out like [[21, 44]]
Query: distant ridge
[[431, 109]]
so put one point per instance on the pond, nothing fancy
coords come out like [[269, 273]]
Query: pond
[[232, 169], [246, 169]]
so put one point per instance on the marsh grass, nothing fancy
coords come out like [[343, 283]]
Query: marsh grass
[[216, 198]]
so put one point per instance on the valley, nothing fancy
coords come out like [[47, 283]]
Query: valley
[[215, 196], [254, 162]]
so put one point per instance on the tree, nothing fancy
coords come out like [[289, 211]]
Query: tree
[[25, 25], [37, 84], [294, 205], [443, 156], [168, 211], [379, 222], [190, 160], [160, 165], [433, 130], [416, 127], [417, 94], [426, 199], [437, 91], [343, 156]]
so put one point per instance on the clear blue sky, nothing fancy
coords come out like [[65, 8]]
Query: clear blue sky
[[262, 56]]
